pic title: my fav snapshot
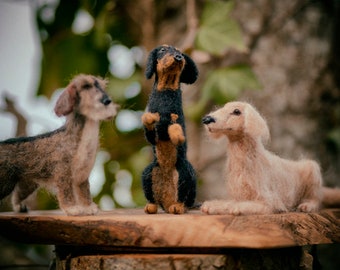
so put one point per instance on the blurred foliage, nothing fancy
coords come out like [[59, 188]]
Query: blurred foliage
[[218, 31], [219, 34], [67, 52], [333, 136], [221, 85]]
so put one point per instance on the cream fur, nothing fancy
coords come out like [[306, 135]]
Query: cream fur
[[258, 181]]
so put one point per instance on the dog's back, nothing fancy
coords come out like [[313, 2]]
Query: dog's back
[[21, 159]]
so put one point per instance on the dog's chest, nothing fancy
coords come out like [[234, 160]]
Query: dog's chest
[[86, 151], [168, 81], [165, 102]]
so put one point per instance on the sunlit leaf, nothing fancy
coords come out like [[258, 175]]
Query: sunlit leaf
[[218, 31], [226, 84], [223, 85]]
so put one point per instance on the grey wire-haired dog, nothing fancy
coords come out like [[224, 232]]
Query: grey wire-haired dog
[[60, 160]]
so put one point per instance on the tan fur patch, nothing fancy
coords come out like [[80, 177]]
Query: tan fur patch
[[167, 154], [151, 208], [165, 177], [176, 134], [174, 117], [177, 208], [169, 71], [149, 119]]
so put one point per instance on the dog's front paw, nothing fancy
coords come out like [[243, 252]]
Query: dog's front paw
[[177, 208], [219, 207], [92, 209], [149, 119], [151, 208], [73, 210], [78, 210], [176, 134], [308, 207], [210, 207]]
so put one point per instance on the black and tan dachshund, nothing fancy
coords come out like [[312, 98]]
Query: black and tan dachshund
[[170, 180]]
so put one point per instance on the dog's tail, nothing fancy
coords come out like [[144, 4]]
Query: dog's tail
[[331, 197]]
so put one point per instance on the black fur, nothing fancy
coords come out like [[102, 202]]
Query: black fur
[[166, 102]]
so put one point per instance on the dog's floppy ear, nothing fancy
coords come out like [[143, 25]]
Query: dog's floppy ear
[[151, 64], [190, 72], [255, 125], [66, 101]]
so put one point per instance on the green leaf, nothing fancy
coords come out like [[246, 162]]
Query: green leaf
[[224, 85], [334, 136], [218, 31]]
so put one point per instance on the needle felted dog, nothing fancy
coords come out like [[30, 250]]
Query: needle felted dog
[[259, 182], [62, 159], [169, 181]]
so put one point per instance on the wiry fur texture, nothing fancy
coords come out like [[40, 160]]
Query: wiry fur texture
[[258, 181], [62, 159], [169, 181]]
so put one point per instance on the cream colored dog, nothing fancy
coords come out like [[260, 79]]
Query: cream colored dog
[[259, 182]]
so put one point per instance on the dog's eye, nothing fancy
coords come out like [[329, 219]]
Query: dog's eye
[[87, 86], [236, 112]]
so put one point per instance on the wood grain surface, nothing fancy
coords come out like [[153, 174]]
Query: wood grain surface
[[132, 228]]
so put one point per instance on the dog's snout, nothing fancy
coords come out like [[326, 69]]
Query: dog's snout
[[178, 57], [207, 120], [105, 100]]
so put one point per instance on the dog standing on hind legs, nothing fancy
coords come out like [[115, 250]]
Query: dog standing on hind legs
[[258, 181], [169, 181], [62, 159]]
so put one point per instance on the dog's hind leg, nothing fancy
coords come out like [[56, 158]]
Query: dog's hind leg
[[177, 208], [21, 191], [312, 180], [186, 183], [9, 180], [151, 207]]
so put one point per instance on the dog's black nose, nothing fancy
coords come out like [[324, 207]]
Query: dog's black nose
[[207, 120], [105, 100], [178, 57]]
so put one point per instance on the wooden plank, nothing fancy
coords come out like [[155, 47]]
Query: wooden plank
[[236, 259], [132, 228]]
